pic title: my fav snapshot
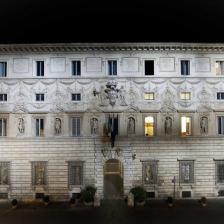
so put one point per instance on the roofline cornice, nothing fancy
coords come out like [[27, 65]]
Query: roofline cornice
[[92, 47]]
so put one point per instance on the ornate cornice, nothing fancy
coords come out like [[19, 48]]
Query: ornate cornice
[[92, 47]]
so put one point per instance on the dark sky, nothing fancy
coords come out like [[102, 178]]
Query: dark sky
[[28, 21]]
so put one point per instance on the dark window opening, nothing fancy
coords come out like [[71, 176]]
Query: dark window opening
[[40, 68], [185, 67], [76, 68], [186, 194], [149, 67]]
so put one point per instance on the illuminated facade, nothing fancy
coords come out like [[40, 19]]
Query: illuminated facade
[[114, 116]]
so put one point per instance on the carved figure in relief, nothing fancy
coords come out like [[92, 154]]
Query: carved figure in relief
[[122, 96], [131, 125], [21, 126], [204, 125], [102, 96], [112, 92], [57, 126], [94, 126], [168, 125]]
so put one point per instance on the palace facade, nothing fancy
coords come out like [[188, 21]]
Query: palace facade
[[112, 115]]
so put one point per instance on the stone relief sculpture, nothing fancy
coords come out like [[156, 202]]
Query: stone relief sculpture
[[94, 126], [112, 92], [168, 125], [21, 125], [122, 96], [204, 125], [131, 125], [57, 126]]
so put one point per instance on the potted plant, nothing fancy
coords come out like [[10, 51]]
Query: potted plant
[[170, 201], [14, 203], [139, 195], [87, 195], [203, 201], [72, 202], [46, 199]]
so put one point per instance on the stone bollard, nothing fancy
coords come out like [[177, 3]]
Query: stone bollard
[[96, 200], [131, 201]]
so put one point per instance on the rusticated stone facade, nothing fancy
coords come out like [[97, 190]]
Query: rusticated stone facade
[[58, 118]]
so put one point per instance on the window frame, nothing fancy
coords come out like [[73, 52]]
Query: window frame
[[218, 162], [154, 125], [33, 173], [7, 164], [43, 134], [217, 123], [40, 95], [4, 99], [219, 60], [221, 94], [6, 69], [72, 67], [4, 130], [149, 94], [155, 169], [107, 67], [149, 75], [71, 126], [36, 68], [191, 172], [191, 124], [185, 94], [189, 66], [75, 163], [76, 94]]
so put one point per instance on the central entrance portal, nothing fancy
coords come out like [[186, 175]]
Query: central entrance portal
[[113, 179]]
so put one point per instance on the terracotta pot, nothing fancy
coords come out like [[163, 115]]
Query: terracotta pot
[[142, 203]]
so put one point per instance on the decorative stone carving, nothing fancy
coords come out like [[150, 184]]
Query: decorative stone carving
[[131, 125], [112, 92], [57, 126], [94, 126], [204, 125], [168, 102], [122, 94], [168, 125], [21, 125]]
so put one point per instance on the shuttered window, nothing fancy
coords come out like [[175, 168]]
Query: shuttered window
[[221, 125], [3, 122], [76, 126], [3, 69], [150, 172], [75, 173], [220, 171], [40, 68]]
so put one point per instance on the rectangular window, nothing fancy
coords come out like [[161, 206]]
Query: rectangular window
[[76, 126], [39, 173], [40, 68], [76, 68], [149, 126], [3, 97], [149, 67], [220, 171], [185, 126], [149, 172], [219, 67], [76, 96], [149, 96], [4, 173], [3, 69], [112, 67], [221, 125], [75, 173], [185, 95], [40, 127], [186, 172], [220, 96], [40, 97], [3, 126], [185, 67]]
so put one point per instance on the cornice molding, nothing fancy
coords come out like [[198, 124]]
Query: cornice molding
[[92, 47]]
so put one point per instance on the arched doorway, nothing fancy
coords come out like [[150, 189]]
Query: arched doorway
[[113, 179]]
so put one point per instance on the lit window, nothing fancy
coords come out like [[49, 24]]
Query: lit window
[[219, 67], [39, 127], [39, 97], [149, 67], [3, 97], [3, 126], [220, 96], [76, 97], [185, 67], [149, 96], [112, 67], [3, 69], [185, 96], [76, 68], [186, 172], [220, 125], [185, 126], [149, 126], [40, 68], [75, 173], [39, 173]]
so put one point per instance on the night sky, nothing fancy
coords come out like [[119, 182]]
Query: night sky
[[31, 21]]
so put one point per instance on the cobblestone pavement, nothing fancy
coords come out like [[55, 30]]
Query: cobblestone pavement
[[111, 212]]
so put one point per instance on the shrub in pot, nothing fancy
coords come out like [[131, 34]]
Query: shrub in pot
[[87, 195], [72, 202], [14, 203], [203, 201], [170, 201], [139, 195]]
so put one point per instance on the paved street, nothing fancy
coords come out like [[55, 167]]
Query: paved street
[[187, 211]]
